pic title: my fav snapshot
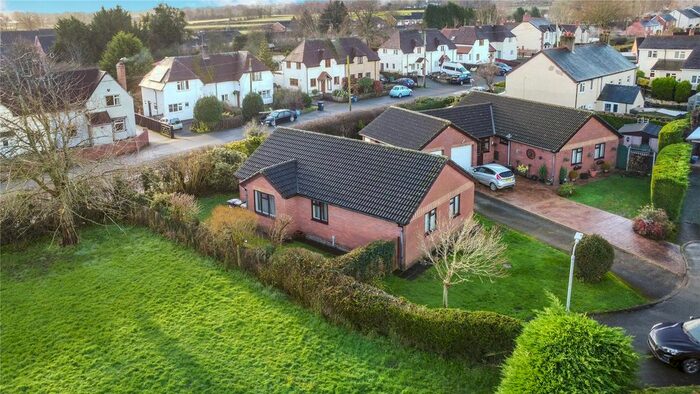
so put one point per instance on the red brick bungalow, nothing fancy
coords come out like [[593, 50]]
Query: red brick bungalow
[[513, 131], [347, 193]]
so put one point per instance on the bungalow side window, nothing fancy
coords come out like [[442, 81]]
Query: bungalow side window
[[112, 101], [576, 156], [319, 211], [599, 152], [431, 221], [264, 204], [183, 85], [454, 206]]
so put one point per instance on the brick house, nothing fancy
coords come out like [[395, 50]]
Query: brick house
[[347, 193]]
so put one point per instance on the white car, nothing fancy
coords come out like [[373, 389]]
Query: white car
[[174, 123], [495, 176]]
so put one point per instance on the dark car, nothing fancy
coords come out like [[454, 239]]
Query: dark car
[[677, 344], [279, 116], [460, 79], [407, 82]]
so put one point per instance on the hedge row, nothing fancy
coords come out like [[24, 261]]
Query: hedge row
[[368, 263], [426, 103], [346, 124], [669, 178], [672, 132], [478, 336]]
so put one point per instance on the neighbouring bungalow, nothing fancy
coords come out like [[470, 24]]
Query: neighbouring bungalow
[[347, 193], [641, 134], [619, 99]]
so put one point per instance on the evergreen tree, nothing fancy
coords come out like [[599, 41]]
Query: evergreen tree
[[165, 28], [333, 16], [105, 24], [126, 45], [73, 41]]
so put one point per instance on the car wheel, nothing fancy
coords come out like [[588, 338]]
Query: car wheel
[[292, 118], [691, 365], [493, 187], [273, 123]]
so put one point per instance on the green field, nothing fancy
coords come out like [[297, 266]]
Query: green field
[[621, 195], [536, 268], [129, 311]]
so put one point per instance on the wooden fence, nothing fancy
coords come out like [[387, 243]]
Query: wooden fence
[[155, 125]]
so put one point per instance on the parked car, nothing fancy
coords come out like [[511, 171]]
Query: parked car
[[677, 344], [407, 82], [279, 116], [453, 69], [504, 67], [175, 123], [400, 91], [460, 79], [383, 79], [495, 176]]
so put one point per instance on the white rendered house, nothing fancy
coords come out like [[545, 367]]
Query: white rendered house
[[408, 52]]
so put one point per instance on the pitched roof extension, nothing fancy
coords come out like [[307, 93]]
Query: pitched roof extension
[[408, 40], [619, 93], [312, 51], [404, 128], [589, 61], [374, 179], [476, 119]]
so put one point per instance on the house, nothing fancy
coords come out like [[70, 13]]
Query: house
[[687, 18], [173, 86], [322, 64], [571, 75], [109, 107], [667, 21], [580, 32], [408, 20], [671, 56], [536, 134], [643, 133], [535, 34], [411, 52], [424, 132], [643, 28], [481, 44], [347, 193], [619, 99]]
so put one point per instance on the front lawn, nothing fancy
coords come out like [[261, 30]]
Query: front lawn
[[129, 311], [621, 195], [536, 268]]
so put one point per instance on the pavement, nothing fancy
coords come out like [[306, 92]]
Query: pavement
[[689, 223]]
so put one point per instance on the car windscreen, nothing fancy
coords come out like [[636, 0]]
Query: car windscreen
[[506, 174], [692, 328]]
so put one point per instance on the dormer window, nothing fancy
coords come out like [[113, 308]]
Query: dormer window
[[183, 85]]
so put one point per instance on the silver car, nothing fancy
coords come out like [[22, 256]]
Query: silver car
[[494, 176]]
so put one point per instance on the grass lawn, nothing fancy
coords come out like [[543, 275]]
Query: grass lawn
[[616, 194], [536, 268], [207, 204], [132, 312]]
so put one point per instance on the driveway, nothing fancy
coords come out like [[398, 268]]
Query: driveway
[[689, 223]]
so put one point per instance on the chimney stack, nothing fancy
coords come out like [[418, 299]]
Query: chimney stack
[[121, 72], [526, 17], [567, 40], [604, 37]]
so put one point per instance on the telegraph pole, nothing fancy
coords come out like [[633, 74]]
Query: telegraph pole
[[425, 54], [347, 72]]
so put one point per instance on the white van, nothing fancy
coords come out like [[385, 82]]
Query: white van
[[453, 69]]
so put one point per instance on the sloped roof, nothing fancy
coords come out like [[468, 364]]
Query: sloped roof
[[619, 93], [467, 35], [312, 51], [476, 119], [374, 179], [589, 61], [668, 65], [220, 67], [537, 124], [99, 118], [408, 40], [404, 128], [543, 24], [670, 42], [649, 128], [690, 13], [693, 60], [668, 17]]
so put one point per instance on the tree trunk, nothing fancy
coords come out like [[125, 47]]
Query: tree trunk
[[69, 231], [445, 290]]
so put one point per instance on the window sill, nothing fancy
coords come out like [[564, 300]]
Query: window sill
[[319, 221], [265, 215]]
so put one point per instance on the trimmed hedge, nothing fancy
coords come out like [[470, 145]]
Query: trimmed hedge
[[672, 132], [368, 263], [594, 258], [346, 124], [683, 90], [663, 88], [669, 178], [426, 103], [304, 275]]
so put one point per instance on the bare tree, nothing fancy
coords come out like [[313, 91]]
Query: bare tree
[[29, 20], [43, 117], [488, 72], [461, 253], [365, 15], [602, 13]]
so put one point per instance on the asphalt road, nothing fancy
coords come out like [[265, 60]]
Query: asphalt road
[[650, 280]]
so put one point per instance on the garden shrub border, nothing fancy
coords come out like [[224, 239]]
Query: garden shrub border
[[367, 263], [672, 132], [669, 178]]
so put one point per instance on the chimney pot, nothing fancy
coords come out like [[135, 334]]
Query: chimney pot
[[121, 73]]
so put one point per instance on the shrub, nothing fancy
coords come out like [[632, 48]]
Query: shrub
[[290, 98], [254, 129], [663, 88], [573, 175], [643, 82], [640, 74], [566, 190], [224, 163], [178, 207], [208, 109], [562, 175], [669, 178], [672, 132], [279, 232], [252, 106], [247, 145], [230, 226], [594, 257], [426, 103], [542, 172], [200, 127], [365, 85], [683, 90], [560, 352], [652, 223], [344, 124], [605, 166], [367, 263]]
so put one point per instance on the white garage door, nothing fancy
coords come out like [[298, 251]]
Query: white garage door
[[462, 155]]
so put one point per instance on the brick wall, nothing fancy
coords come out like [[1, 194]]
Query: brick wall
[[448, 138], [122, 147]]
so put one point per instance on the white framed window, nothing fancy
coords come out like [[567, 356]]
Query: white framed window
[[183, 85], [599, 151], [319, 211], [577, 156], [581, 88], [118, 125], [257, 76], [265, 94], [177, 107], [359, 60], [430, 220], [293, 82], [454, 206], [112, 100], [264, 204], [694, 79], [224, 97]]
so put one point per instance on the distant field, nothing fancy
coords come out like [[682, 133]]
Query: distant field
[[236, 23]]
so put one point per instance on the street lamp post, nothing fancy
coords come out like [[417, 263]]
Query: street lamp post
[[577, 237]]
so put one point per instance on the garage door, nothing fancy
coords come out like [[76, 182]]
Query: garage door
[[462, 155]]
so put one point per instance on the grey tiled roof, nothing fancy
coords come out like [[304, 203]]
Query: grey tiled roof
[[619, 93], [693, 60], [668, 65], [649, 128], [670, 42], [403, 128], [373, 179], [541, 125], [589, 61], [408, 40], [477, 119], [689, 12], [312, 51]]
